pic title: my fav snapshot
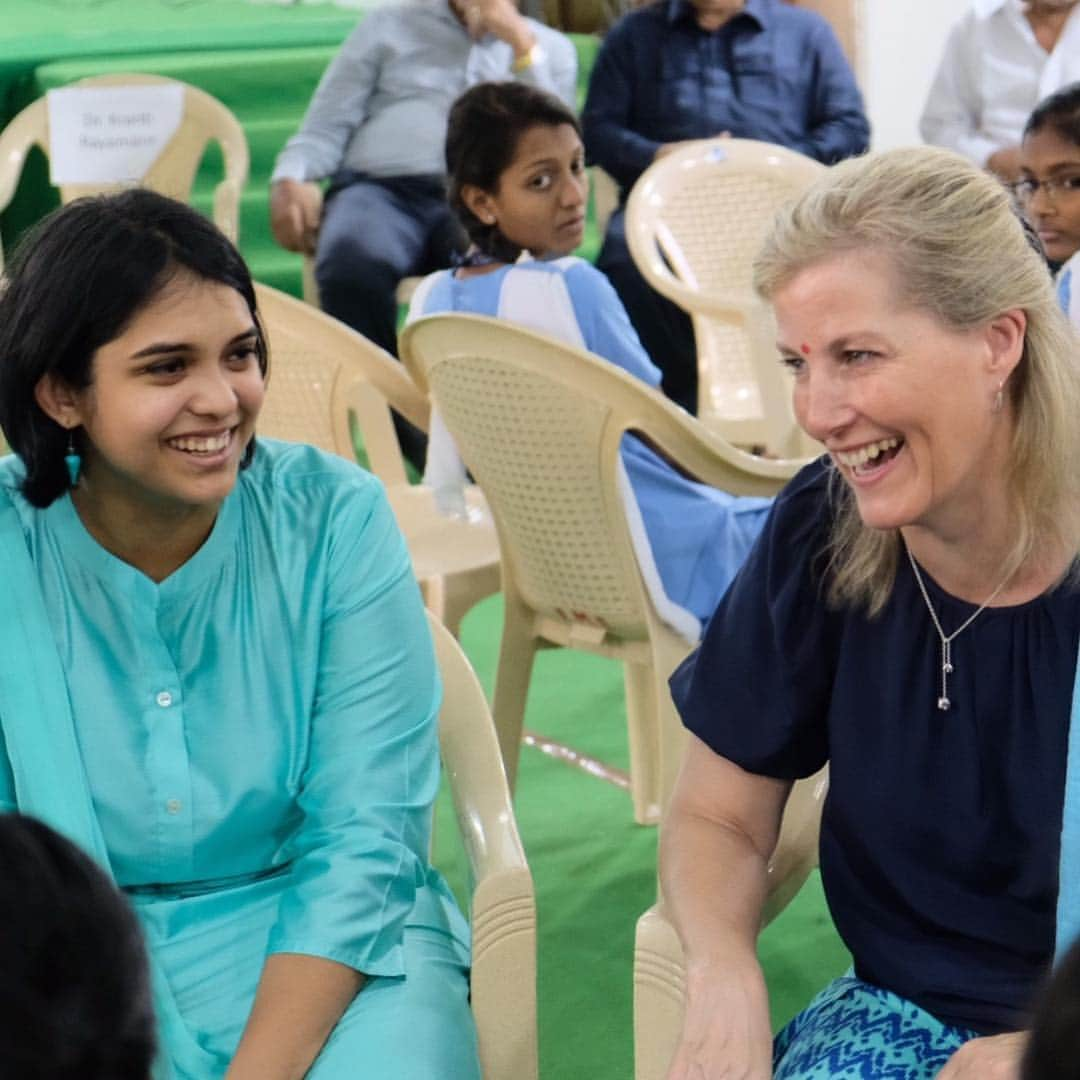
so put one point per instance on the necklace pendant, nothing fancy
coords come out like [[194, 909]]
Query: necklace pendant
[[944, 704], [947, 668]]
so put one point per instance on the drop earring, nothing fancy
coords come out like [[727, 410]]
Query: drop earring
[[72, 459], [999, 398]]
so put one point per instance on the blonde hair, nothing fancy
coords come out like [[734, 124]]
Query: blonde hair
[[961, 253]]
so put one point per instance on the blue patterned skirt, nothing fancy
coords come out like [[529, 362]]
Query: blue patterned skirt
[[855, 1031]]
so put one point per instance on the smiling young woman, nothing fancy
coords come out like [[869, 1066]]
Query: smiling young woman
[[220, 682], [165, 422], [910, 616]]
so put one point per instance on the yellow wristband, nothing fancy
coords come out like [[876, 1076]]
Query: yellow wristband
[[527, 60]]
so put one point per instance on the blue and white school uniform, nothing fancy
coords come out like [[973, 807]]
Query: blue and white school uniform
[[1068, 289], [698, 535]]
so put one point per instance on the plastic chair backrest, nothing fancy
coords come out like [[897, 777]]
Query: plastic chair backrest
[[539, 425], [321, 372], [694, 222], [173, 173]]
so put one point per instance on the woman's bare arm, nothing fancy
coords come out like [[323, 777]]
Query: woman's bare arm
[[715, 845], [298, 1002]]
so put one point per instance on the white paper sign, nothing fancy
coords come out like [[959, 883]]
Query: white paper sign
[[110, 134]]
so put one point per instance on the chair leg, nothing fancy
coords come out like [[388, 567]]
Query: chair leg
[[671, 739], [668, 651], [645, 751], [517, 651]]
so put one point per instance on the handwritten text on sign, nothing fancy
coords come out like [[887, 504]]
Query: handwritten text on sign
[[110, 134]]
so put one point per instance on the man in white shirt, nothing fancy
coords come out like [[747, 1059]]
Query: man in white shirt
[[1000, 60]]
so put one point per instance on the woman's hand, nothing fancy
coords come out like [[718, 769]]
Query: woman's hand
[[726, 1033], [501, 19], [715, 843], [995, 1057], [295, 212]]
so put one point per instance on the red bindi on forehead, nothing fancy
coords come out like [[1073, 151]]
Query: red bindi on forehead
[[805, 349]]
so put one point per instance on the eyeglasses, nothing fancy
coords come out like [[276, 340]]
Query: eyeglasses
[[1065, 187]]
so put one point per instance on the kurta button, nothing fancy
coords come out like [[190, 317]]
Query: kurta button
[[164, 699], [173, 806]]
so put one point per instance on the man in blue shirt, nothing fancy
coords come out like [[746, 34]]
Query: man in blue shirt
[[694, 69]]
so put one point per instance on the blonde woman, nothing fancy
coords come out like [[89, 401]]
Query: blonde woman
[[909, 615]]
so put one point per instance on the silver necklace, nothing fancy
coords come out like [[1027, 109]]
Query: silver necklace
[[943, 702]]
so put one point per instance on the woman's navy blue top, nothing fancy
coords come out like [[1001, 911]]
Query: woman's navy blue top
[[941, 832]]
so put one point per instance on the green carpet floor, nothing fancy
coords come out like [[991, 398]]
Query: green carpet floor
[[594, 870]]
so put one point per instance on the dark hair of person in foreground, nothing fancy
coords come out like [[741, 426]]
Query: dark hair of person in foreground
[[1053, 1052], [75, 1000]]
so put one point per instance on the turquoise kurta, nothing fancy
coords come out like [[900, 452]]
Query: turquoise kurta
[[258, 733]]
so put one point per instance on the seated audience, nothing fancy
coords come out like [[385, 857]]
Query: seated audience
[[1053, 1051], [230, 692], [693, 69], [518, 184], [1000, 59], [375, 128], [910, 616], [75, 984], [1049, 187]]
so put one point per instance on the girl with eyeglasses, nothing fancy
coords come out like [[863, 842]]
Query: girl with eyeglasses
[[1049, 187]]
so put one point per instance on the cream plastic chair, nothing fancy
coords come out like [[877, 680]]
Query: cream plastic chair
[[538, 423], [503, 908], [173, 173], [694, 222], [659, 963], [321, 374]]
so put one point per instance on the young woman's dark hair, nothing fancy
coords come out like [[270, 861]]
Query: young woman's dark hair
[[75, 1000], [482, 136], [75, 282], [1059, 112]]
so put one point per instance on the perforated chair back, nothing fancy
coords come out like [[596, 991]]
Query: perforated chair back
[[539, 425], [694, 222], [173, 173], [545, 453]]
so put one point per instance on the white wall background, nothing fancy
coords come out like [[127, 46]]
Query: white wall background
[[900, 45]]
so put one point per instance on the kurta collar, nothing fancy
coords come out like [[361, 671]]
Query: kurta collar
[[65, 521], [758, 10]]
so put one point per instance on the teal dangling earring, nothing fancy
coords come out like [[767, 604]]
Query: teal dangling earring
[[72, 459]]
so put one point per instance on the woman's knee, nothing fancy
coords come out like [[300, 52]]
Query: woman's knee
[[410, 1028]]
